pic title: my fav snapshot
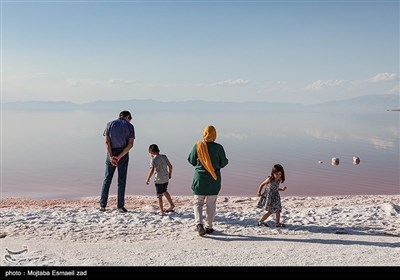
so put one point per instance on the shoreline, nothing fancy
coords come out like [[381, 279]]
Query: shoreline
[[4, 195], [140, 200]]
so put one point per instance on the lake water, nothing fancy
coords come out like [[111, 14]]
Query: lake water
[[60, 154]]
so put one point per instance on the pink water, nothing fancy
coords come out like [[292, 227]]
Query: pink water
[[61, 155]]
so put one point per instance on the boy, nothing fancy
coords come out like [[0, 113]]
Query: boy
[[162, 170]]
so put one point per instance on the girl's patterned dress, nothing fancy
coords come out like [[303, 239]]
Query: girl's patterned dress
[[273, 199]]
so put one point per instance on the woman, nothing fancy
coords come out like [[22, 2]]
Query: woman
[[208, 158]]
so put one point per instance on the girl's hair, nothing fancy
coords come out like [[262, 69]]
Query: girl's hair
[[154, 148], [275, 169]]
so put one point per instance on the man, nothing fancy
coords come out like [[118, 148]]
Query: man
[[119, 138]]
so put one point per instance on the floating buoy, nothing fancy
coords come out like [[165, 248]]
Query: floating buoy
[[335, 161], [320, 161], [356, 160]]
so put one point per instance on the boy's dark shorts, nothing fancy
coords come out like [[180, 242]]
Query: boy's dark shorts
[[161, 188]]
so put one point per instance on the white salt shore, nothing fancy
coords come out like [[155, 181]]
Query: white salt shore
[[320, 231]]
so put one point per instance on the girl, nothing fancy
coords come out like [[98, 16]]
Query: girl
[[270, 199]]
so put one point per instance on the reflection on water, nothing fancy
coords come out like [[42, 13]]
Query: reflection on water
[[61, 154]]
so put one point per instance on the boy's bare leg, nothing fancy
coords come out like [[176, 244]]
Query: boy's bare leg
[[160, 204], [171, 204]]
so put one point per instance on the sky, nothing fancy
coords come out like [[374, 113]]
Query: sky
[[278, 51]]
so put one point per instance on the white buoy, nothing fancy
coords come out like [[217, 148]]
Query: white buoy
[[320, 161], [335, 161], [356, 160]]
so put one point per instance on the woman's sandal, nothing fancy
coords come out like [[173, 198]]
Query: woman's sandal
[[262, 224], [279, 225]]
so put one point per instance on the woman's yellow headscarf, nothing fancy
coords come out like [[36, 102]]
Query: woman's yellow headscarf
[[209, 135]]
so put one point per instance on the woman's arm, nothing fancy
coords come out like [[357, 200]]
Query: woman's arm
[[192, 158], [223, 160]]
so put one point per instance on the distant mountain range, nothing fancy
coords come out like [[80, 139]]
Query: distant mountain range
[[383, 102]]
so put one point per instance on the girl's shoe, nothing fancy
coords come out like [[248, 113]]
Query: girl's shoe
[[279, 225], [262, 224]]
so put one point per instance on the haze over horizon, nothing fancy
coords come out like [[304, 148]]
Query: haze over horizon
[[235, 51]]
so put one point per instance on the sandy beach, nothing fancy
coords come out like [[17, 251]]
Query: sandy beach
[[320, 231]]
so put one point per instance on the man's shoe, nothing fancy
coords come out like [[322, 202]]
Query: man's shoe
[[122, 210], [201, 229], [209, 230], [102, 209]]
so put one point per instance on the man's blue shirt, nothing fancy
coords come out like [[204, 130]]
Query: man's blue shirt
[[119, 131]]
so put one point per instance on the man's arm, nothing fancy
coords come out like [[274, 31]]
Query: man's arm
[[107, 141], [109, 150], [126, 150]]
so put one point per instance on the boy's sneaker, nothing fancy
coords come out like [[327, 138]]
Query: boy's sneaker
[[201, 229], [102, 209], [122, 210], [209, 230]]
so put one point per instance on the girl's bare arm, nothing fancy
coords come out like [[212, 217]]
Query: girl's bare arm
[[266, 181]]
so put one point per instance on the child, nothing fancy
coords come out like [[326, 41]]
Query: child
[[162, 170], [272, 201]]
